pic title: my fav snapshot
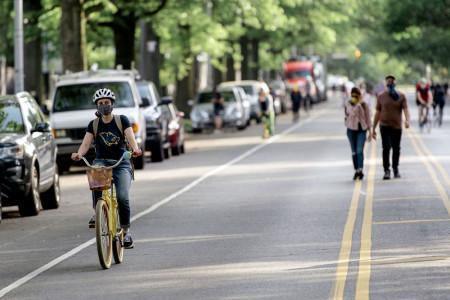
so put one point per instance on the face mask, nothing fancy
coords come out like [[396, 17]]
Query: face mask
[[354, 100], [105, 109]]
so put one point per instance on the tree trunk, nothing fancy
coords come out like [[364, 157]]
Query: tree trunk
[[33, 50], [245, 74], [254, 67], [124, 29], [73, 35], [231, 72], [217, 76], [185, 90], [150, 61]]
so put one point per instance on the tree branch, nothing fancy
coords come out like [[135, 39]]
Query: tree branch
[[156, 10]]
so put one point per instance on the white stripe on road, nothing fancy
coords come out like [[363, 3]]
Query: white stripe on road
[[154, 207]]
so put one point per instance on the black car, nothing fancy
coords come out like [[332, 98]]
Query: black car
[[157, 123], [29, 176]]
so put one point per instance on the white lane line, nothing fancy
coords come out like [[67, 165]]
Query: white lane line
[[155, 206]]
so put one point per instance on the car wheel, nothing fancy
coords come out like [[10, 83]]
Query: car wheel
[[157, 151], [0, 207], [50, 199], [30, 204], [139, 162], [167, 153]]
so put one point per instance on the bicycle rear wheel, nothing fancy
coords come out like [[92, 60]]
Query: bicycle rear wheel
[[103, 234], [118, 242]]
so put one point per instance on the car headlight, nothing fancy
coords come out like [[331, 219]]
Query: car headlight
[[195, 115], [15, 151], [59, 133], [232, 112]]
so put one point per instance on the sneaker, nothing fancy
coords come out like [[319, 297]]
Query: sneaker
[[387, 175], [397, 174], [356, 176], [128, 241], [92, 222], [360, 175]]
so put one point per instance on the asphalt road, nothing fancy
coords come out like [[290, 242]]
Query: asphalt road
[[242, 218]]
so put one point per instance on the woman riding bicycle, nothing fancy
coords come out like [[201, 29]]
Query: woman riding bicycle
[[110, 144], [424, 100]]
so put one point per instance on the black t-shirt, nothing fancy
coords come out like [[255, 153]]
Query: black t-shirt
[[109, 142]]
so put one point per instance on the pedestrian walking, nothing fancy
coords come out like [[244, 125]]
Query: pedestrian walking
[[357, 121], [296, 98], [390, 105], [267, 114]]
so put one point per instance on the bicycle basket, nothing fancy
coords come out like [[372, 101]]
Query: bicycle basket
[[99, 178]]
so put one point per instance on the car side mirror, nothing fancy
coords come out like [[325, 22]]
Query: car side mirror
[[145, 102], [166, 100], [41, 127]]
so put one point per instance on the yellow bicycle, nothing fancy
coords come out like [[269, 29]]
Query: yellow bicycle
[[109, 235]]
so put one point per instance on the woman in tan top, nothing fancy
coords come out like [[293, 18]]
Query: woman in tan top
[[357, 121]]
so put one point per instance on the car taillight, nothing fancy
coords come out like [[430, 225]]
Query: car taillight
[[135, 127]]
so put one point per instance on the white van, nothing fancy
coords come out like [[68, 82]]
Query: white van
[[72, 109]]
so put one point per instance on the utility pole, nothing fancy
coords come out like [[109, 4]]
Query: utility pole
[[18, 46]]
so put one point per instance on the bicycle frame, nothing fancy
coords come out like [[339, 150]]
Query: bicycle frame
[[109, 196]]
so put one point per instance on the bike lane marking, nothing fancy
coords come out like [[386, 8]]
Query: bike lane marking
[[67, 255], [364, 268]]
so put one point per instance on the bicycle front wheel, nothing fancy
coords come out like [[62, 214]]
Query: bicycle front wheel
[[118, 242], [103, 234]]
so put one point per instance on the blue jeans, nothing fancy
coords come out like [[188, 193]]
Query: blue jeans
[[122, 175], [357, 139]]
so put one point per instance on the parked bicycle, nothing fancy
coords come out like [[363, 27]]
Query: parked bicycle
[[108, 233]]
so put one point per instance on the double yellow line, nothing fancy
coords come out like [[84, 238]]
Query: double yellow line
[[364, 268]]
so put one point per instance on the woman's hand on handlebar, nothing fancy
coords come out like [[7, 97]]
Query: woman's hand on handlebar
[[76, 156], [137, 152]]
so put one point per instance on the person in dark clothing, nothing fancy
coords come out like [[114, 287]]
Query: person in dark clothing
[[110, 141], [390, 105], [296, 98], [439, 102], [218, 108]]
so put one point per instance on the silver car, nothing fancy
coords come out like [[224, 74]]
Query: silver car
[[236, 113]]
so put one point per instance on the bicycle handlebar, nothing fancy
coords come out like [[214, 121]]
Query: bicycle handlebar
[[125, 155]]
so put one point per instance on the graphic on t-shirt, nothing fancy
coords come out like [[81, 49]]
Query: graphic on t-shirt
[[109, 138]]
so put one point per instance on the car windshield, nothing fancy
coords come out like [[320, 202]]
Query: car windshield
[[298, 74], [249, 89], [144, 91], [208, 97], [11, 118], [79, 96]]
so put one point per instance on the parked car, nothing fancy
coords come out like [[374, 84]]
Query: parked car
[[175, 126], [157, 123], [251, 88], [72, 109], [237, 109], [29, 173]]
